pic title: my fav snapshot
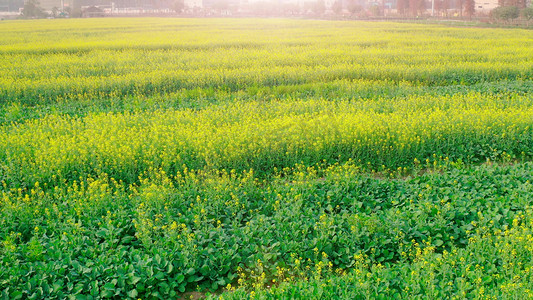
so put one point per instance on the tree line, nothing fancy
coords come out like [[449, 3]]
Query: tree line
[[507, 11]]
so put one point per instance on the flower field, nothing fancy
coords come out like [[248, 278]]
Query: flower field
[[243, 158]]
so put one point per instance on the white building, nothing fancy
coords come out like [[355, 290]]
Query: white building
[[49, 4], [485, 6], [193, 4]]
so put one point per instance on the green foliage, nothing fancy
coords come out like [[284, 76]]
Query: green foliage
[[505, 13], [494, 264], [32, 9], [527, 13], [172, 234]]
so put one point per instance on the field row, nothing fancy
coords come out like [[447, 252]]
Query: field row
[[279, 52], [385, 91], [262, 136]]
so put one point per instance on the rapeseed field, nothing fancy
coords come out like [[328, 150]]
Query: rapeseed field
[[158, 158]]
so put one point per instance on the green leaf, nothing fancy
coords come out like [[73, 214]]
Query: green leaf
[[134, 279], [109, 286], [180, 278], [204, 270], [159, 275], [57, 286], [107, 294], [16, 295], [101, 233], [225, 269], [164, 287], [133, 293], [170, 268], [127, 240]]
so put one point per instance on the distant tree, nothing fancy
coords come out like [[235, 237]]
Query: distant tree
[[76, 9], [461, 4], [374, 10], [421, 6], [262, 8], [438, 5], [527, 14], [291, 8], [354, 7], [517, 3], [32, 9], [178, 6], [416, 6], [93, 11], [337, 7], [441, 7], [221, 5], [319, 7], [505, 13], [470, 8], [413, 9], [55, 12], [402, 6], [445, 6]]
